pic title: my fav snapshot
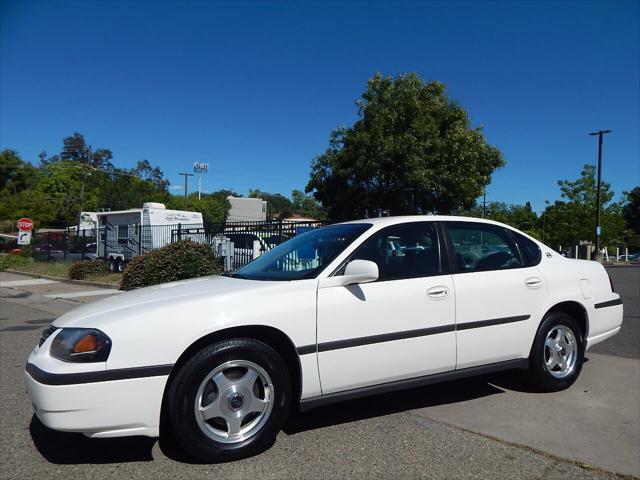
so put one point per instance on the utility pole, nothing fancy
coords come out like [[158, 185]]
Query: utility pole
[[85, 165], [600, 134], [484, 201], [186, 176], [544, 218]]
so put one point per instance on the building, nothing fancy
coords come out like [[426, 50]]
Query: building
[[247, 209]]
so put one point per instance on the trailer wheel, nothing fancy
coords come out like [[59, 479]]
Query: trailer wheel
[[119, 265], [112, 265]]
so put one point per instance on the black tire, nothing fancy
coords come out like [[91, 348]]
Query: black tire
[[119, 265], [538, 373], [181, 398], [112, 265]]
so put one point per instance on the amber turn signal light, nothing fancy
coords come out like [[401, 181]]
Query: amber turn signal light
[[88, 343]]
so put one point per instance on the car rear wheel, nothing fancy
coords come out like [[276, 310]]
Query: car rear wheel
[[229, 400], [557, 353]]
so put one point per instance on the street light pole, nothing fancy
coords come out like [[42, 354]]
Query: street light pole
[[186, 176], [600, 134], [200, 168]]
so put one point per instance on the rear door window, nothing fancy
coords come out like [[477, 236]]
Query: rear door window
[[479, 247]]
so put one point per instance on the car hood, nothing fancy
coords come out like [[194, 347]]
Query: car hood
[[157, 297]]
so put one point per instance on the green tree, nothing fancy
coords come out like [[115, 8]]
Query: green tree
[[61, 184], [412, 150], [16, 175], [27, 203], [631, 209], [122, 189], [631, 215], [521, 217], [17, 195], [306, 206], [572, 218], [75, 149]]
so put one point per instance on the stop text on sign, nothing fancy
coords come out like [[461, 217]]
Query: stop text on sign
[[25, 224]]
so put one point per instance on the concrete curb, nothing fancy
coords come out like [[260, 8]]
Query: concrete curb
[[66, 280]]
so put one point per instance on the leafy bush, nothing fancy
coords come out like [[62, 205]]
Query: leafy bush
[[12, 260], [82, 269], [177, 261]]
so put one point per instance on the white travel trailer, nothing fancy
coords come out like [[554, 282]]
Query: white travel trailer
[[125, 234]]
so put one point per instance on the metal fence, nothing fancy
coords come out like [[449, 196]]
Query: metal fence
[[248, 239]]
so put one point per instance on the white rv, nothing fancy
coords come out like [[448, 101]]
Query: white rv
[[247, 209], [125, 234]]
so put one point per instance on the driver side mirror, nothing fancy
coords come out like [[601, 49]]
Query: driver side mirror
[[357, 271]]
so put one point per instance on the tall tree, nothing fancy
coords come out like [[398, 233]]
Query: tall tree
[[412, 150], [572, 218], [76, 149]]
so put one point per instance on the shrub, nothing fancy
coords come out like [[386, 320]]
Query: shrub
[[12, 260], [82, 269], [177, 261]]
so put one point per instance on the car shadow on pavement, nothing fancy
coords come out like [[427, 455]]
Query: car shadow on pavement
[[65, 448], [390, 403]]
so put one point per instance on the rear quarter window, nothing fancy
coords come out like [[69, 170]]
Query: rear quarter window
[[529, 249]]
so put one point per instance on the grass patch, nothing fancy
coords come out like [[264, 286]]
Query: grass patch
[[113, 278], [61, 270]]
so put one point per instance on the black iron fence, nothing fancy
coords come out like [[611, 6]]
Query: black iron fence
[[249, 239], [64, 244]]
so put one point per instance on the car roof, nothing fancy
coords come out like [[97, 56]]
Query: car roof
[[383, 221]]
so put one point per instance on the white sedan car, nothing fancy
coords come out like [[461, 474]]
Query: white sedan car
[[340, 312]]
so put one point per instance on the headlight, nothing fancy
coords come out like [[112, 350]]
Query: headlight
[[81, 345]]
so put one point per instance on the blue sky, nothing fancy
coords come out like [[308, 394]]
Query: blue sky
[[256, 88]]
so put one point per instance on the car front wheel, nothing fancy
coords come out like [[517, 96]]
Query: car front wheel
[[557, 353], [229, 400]]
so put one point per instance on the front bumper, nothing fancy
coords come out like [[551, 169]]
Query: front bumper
[[110, 408]]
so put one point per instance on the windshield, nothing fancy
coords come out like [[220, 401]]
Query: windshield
[[304, 255]]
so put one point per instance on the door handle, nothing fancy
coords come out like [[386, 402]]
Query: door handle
[[533, 282], [439, 291]]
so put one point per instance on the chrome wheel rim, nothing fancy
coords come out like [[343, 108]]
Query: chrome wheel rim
[[234, 401], [560, 352]]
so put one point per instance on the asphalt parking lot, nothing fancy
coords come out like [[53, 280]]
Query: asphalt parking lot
[[489, 427]]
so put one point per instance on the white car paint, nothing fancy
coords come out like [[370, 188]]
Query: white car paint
[[152, 327]]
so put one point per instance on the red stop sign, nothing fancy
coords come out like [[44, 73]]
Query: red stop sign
[[25, 224]]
